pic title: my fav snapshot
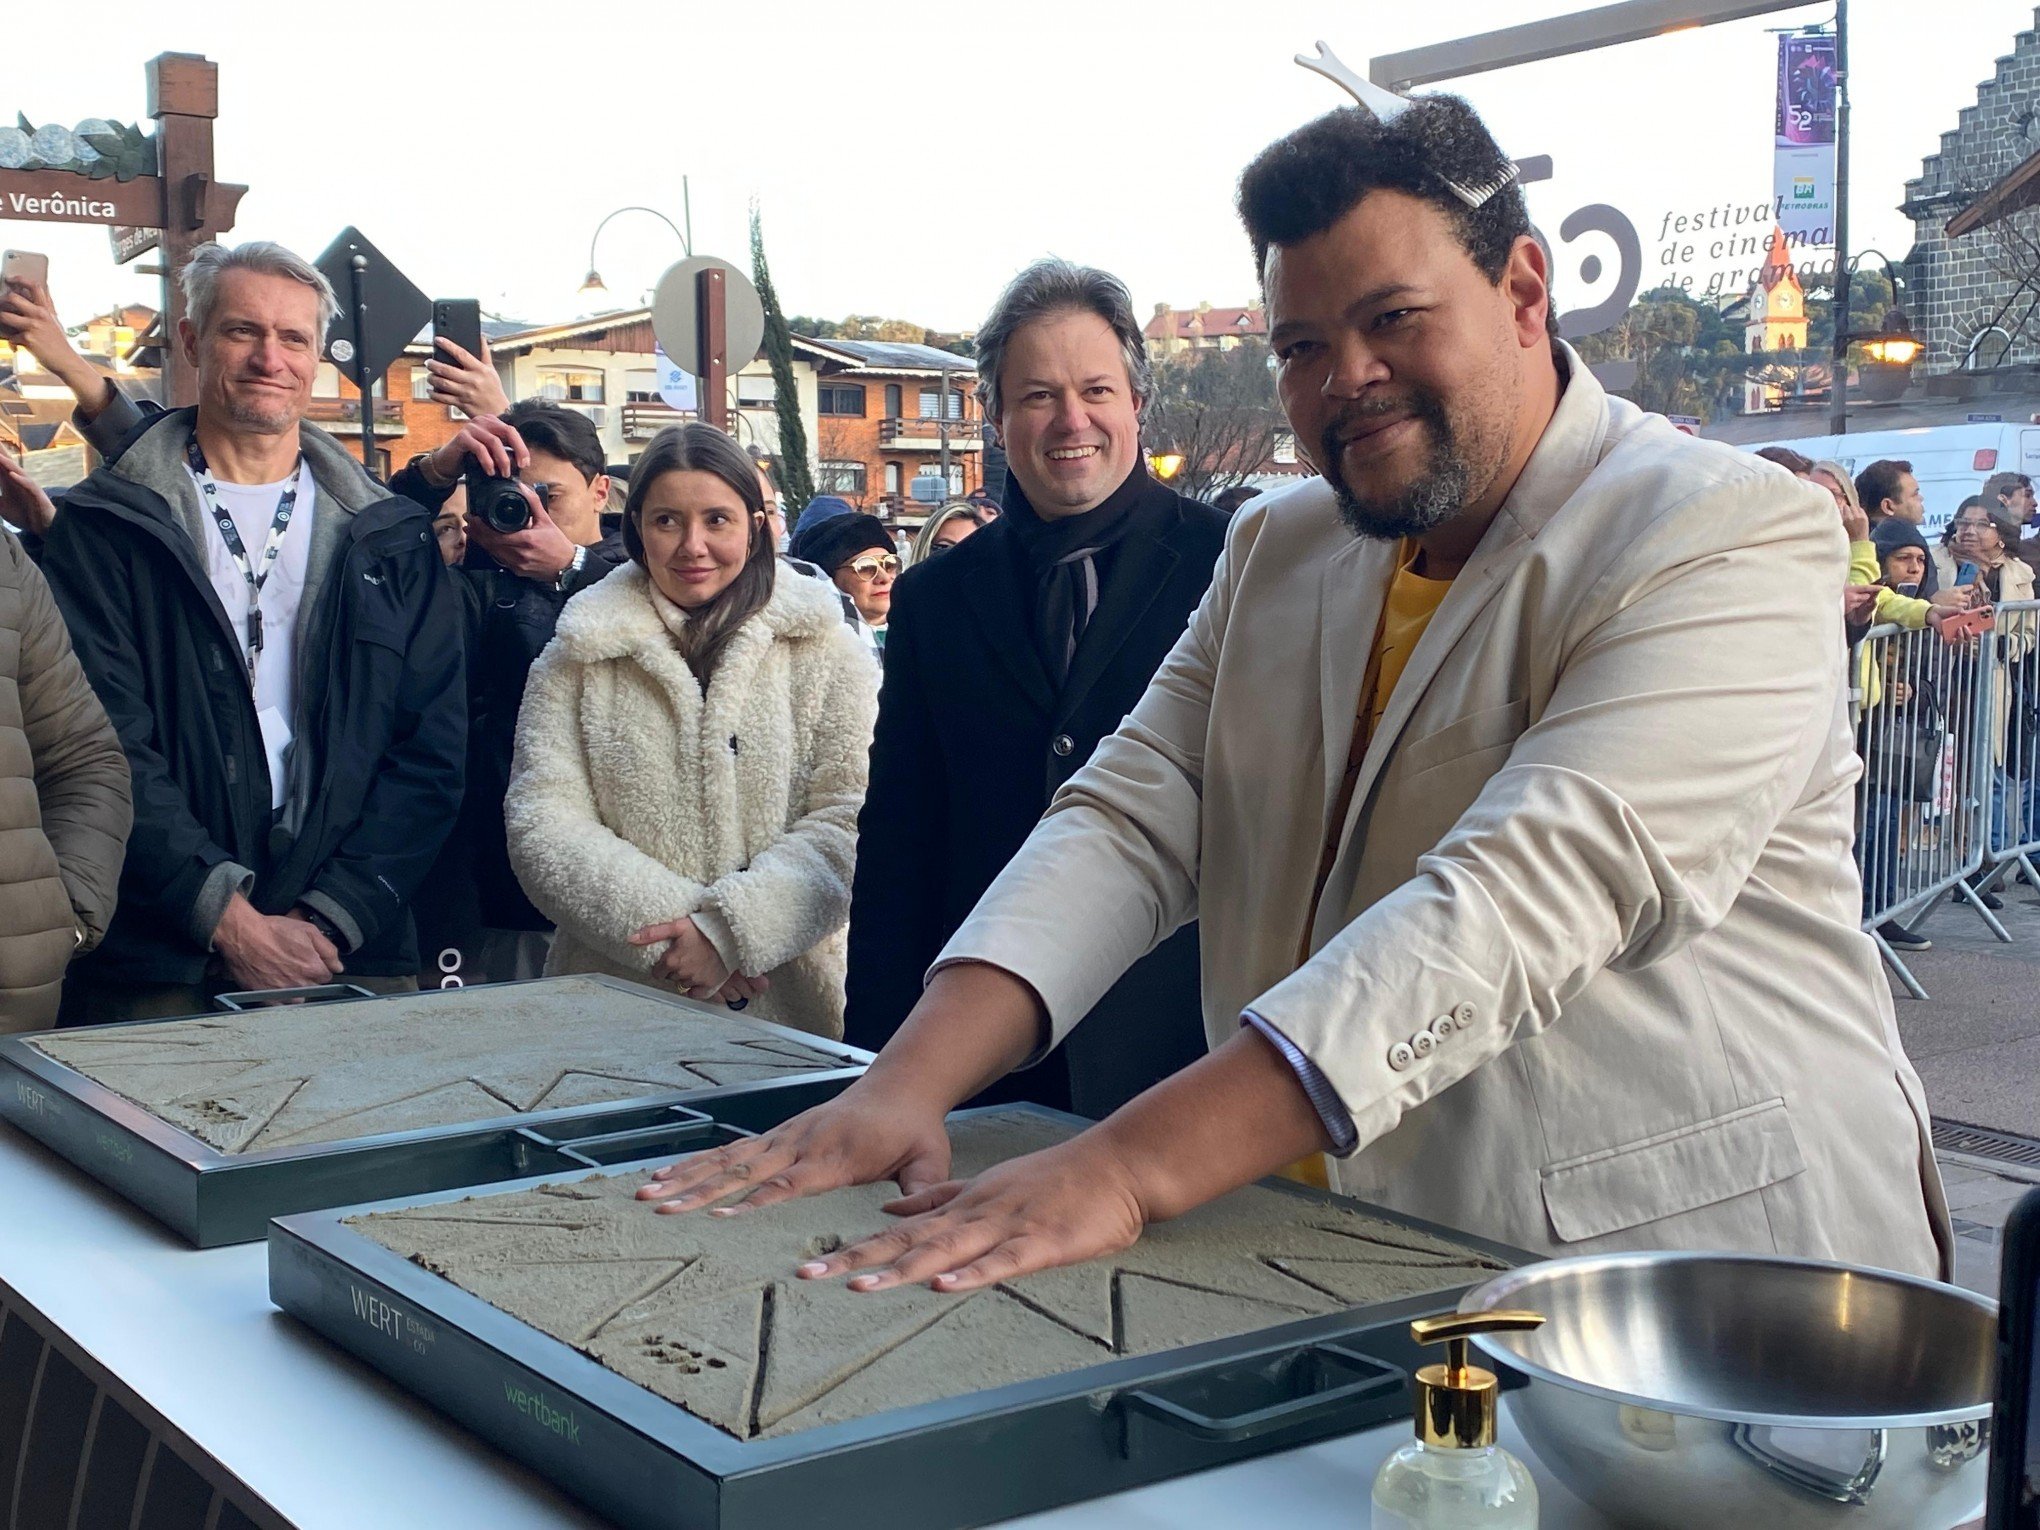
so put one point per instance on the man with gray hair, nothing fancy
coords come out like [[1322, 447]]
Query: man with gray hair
[[1011, 657], [276, 642]]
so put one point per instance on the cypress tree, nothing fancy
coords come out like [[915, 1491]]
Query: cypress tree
[[796, 483]]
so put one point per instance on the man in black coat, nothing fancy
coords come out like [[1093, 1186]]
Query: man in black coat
[[1008, 658], [275, 640]]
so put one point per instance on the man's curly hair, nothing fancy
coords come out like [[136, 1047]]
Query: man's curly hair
[[1302, 184]]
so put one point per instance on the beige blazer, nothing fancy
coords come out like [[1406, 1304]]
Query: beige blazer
[[1587, 973]]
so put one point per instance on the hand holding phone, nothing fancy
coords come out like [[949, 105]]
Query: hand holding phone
[[26, 268], [1967, 626]]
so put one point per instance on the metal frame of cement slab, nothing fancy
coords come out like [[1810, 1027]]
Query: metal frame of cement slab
[[211, 1198], [648, 1464]]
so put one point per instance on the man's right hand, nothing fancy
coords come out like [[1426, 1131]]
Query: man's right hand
[[867, 1133], [974, 1024], [268, 951], [496, 446]]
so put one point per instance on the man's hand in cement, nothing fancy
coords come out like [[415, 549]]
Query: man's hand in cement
[[1221, 1123], [856, 1139]]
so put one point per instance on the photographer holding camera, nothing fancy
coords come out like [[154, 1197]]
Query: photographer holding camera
[[535, 493]]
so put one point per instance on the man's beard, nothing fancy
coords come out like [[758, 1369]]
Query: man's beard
[[1438, 492], [272, 421]]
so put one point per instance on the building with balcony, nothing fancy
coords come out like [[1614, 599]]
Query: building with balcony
[[1172, 331], [607, 367], [889, 412]]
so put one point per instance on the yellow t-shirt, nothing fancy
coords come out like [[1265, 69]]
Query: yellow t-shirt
[[1412, 601]]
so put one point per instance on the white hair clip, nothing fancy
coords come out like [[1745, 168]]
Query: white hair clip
[[1385, 106]]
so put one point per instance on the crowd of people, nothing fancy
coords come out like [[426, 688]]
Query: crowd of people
[[1910, 701], [371, 737], [1466, 828]]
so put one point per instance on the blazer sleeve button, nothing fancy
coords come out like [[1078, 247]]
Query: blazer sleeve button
[[1462, 1015], [1064, 745], [1400, 1056], [1423, 1043]]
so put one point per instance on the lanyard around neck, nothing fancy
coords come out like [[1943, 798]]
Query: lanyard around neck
[[256, 572]]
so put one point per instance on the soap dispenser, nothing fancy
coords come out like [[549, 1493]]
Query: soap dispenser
[[1454, 1476]]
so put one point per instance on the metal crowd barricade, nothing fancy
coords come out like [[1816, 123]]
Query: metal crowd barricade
[[1923, 806], [2015, 783]]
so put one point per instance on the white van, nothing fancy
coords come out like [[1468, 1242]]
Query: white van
[[1950, 461]]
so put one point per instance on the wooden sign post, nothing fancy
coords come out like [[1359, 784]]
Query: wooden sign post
[[98, 177]]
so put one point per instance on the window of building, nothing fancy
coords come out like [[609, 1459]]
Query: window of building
[[1285, 446], [840, 398], [421, 383], [326, 381], [641, 386], [892, 401], [892, 478], [570, 385], [845, 478], [755, 391], [929, 409]]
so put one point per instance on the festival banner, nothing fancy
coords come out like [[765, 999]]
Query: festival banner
[[1803, 163]]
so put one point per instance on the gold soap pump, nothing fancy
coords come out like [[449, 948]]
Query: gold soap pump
[[1454, 1476]]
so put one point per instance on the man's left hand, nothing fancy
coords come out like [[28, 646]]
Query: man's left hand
[[1859, 602], [1068, 1203], [541, 551]]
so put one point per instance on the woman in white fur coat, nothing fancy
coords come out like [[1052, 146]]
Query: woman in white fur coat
[[692, 751]]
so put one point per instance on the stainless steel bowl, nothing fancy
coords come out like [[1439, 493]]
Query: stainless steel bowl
[[1686, 1390]]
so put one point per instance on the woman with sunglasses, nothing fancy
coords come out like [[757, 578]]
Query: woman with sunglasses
[[857, 553], [692, 752]]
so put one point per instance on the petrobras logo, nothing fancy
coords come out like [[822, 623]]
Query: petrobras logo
[[1805, 189]]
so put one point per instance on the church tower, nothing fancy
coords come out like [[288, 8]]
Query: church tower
[[1777, 317]]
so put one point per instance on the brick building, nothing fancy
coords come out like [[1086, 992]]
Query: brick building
[[883, 411], [604, 366], [1979, 288]]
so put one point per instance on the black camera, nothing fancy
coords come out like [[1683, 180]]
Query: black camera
[[498, 503]]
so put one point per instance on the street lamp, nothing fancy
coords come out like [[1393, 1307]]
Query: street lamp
[[593, 282], [1895, 345], [1892, 347], [1165, 465]]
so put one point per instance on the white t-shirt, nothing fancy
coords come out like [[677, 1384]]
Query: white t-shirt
[[253, 507]]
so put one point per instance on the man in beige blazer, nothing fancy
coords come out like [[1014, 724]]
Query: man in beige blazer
[[1543, 921]]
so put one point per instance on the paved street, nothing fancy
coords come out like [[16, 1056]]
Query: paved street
[[1976, 1042], [1976, 1039]]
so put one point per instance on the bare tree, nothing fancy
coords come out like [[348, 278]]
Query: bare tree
[[1216, 409]]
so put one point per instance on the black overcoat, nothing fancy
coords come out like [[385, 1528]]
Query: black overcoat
[[972, 741]]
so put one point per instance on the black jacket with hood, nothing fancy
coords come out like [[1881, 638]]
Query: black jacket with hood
[[377, 761]]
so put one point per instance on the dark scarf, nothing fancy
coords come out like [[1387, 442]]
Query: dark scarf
[[1062, 559]]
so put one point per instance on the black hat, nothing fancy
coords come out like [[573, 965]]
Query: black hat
[[1895, 532], [834, 542]]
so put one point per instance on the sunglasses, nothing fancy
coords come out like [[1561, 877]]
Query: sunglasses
[[871, 568]]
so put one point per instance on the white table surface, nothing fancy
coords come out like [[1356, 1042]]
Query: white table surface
[[331, 1445]]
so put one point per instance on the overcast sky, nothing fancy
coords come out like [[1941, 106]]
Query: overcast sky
[[909, 157]]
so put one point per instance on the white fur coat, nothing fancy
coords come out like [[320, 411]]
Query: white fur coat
[[635, 799]]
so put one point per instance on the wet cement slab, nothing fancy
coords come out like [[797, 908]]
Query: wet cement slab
[[708, 1313], [297, 1076]]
